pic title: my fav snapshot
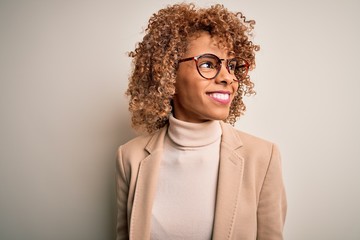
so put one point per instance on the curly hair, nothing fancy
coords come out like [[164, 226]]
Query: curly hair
[[155, 59]]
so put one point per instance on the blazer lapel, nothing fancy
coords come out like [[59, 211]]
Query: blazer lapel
[[229, 182], [140, 223]]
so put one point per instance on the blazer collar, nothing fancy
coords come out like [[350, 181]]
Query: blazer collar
[[229, 181], [140, 222], [230, 137], [156, 142]]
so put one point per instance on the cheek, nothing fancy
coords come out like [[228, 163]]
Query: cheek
[[184, 83], [235, 87]]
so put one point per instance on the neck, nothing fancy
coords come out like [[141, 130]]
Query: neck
[[186, 134]]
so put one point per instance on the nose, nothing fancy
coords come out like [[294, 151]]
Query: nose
[[224, 76]]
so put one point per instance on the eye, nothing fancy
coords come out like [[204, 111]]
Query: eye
[[232, 65], [207, 64], [241, 68]]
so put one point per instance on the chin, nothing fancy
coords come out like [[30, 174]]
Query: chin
[[218, 116]]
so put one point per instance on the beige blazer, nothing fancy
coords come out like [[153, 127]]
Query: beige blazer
[[250, 201]]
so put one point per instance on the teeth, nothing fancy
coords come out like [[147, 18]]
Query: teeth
[[222, 96]]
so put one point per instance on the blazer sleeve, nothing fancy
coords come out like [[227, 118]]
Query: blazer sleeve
[[122, 190], [272, 201]]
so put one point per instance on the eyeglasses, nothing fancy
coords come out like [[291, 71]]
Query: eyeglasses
[[209, 65]]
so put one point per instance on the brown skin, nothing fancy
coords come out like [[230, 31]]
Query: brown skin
[[195, 99]]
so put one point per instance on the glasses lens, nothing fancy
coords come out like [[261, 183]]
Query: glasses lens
[[208, 65], [241, 68], [232, 64]]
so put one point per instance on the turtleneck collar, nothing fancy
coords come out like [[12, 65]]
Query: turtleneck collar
[[186, 134]]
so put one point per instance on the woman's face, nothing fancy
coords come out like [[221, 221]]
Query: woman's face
[[198, 99]]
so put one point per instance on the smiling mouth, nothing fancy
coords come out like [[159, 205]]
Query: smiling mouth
[[223, 98]]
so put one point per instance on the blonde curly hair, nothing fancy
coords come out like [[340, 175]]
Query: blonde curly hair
[[155, 59]]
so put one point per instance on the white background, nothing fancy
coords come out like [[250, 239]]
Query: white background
[[63, 73]]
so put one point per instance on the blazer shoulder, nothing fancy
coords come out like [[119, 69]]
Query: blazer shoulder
[[244, 137], [254, 145], [136, 143], [139, 147], [248, 138]]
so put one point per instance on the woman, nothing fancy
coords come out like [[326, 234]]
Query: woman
[[194, 176]]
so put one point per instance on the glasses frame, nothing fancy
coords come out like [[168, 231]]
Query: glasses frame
[[220, 60]]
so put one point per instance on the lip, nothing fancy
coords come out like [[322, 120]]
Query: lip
[[223, 97]]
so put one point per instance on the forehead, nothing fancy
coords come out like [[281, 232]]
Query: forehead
[[203, 42]]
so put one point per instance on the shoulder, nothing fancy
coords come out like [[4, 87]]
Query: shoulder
[[250, 140], [136, 143], [140, 146], [246, 139], [251, 145], [261, 157]]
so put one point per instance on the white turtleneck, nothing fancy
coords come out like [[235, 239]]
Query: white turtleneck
[[184, 205]]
